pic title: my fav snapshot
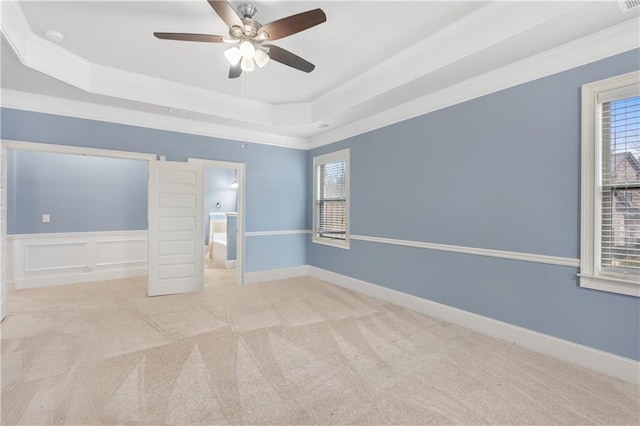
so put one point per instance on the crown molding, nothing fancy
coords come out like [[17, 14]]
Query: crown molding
[[490, 25], [44, 56], [609, 42], [444, 47], [90, 111], [349, 98]]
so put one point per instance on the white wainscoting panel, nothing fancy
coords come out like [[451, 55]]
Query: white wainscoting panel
[[43, 260]]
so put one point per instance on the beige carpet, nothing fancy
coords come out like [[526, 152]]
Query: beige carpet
[[215, 274], [299, 351]]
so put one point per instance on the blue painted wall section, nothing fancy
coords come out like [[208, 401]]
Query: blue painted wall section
[[498, 172], [265, 250], [277, 178], [80, 193]]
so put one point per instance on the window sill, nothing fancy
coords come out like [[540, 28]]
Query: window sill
[[333, 243], [611, 285]]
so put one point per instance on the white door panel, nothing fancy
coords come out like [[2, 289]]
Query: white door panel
[[176, 228]]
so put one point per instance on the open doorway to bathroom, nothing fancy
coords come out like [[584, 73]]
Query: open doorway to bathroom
[[221, 225]]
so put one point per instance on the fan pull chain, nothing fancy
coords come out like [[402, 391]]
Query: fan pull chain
[[245, 95]]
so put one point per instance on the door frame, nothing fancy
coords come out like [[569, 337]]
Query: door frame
[[240, 169], [5, 146]]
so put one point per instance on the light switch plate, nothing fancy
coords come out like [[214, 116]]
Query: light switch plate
[[46, 218]]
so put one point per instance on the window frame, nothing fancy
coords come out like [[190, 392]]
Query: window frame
[[343, 154], [591, 201]]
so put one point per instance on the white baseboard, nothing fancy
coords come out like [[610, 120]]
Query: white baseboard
[[603, 362], [228, 264], [43, 260], [276, 274]]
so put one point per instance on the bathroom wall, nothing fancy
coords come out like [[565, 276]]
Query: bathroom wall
[[218, 189]]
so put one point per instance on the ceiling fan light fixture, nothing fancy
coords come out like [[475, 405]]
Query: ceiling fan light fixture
[[233, 55], [261, 58], [246, 37], [248, 64], [247, 49]]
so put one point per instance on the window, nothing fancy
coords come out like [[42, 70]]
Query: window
[[610, 234], [331, 199]]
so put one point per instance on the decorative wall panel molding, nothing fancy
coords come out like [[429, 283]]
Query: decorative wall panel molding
[[43, 260]]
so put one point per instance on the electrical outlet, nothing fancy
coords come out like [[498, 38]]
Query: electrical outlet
[[46, 218]]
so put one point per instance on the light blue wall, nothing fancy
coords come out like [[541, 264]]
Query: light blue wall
[[265, 250], [218, 189], [80, 193], [277, 178], [499, 172]]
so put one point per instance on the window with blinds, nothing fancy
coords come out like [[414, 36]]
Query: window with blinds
[[610, 185], [620, 188], [331, 198]]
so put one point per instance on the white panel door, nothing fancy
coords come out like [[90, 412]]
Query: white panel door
[[176, 228]]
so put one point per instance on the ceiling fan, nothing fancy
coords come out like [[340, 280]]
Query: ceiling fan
[[250, 36]]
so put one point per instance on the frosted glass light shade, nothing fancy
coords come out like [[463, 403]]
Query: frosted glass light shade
[[261, 58], [247, 49], [247, 64], [233, 55]]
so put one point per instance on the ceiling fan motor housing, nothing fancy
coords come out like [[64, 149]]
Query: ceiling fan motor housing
[[247, 10]]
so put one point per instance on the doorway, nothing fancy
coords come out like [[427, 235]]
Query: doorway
[[224, 221], [110, 248], [63, 223]]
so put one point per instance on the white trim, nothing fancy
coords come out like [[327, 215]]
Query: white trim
[[276, 274], [77, 150], [349, 99], [601, 45], [89, 111], [490, 24], [590, 229], [241, 190], [603, 362], [272, 233], [513, 255], [67, 279], [43, 260], [612, 285], [99, 236]]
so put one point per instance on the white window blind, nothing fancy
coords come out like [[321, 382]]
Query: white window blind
[[620, 188], [331, 193], [332, 199]]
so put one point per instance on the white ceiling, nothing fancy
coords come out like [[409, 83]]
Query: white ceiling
[[374, 59]]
